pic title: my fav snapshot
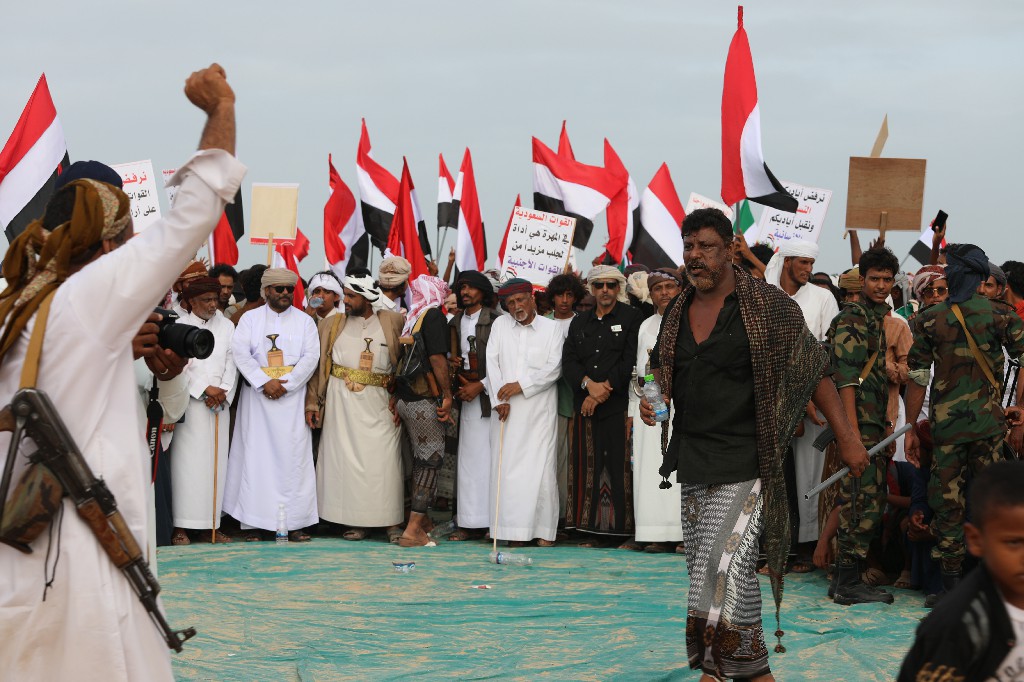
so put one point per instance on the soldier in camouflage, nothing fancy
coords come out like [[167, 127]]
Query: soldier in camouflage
[[967, 423], [857, 337]]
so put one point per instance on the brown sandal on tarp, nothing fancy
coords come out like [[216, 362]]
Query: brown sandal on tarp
[[298, 536]]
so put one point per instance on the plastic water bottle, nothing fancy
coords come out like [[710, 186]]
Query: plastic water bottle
[[652, 391], [444, 530], [511, 559], [282, 524]]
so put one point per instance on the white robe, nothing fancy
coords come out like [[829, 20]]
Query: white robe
[[656, 512], [271, 461], [192, 462], [532, 356], [92, 626], [819, 308], [359, 467], [474, 461]]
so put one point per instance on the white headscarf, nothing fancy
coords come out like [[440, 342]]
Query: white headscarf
[[793, 248], [325, 282], [363, 286]]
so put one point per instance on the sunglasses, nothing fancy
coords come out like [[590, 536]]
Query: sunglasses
[[931, 291], [284, 289], [605, 285]]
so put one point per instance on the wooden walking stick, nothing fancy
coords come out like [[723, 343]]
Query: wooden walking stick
[[216, 463], [497, 492]]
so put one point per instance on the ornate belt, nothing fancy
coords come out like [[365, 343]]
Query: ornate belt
[[360, 376]]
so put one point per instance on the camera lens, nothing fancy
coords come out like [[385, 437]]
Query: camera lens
[[186, 340]]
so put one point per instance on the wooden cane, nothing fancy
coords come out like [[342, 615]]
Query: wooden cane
[[216, 457], [497, 492]]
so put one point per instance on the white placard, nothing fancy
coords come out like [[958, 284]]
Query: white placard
[[700, 201], [140, 186], [776, 227], [538, 245], [168, 173]]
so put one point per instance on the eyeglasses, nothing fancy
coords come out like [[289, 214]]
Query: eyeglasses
[[284, 289], [605, 285], [933, 291]]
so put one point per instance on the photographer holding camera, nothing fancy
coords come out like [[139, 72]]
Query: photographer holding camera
[[91, 625]]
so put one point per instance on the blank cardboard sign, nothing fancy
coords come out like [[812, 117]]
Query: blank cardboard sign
[[891, 186], [274, 211]]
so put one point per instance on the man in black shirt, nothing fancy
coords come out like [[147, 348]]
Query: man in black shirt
[[423, 400], [597, 361], [741, 365]]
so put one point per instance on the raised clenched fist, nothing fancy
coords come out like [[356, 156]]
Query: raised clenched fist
[[208, 88]]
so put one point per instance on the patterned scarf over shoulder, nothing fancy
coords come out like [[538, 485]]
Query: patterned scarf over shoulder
[[788, 362]]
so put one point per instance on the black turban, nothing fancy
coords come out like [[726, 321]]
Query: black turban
[[966, 268]]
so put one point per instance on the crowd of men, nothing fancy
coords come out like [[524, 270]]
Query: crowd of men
[[524, 411]]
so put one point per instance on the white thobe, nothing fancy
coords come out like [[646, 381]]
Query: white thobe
[[271, 461], [359, 468], [523, 461], [199, 463], [474, 461], [92, 626], [819, 308], [656, 512]]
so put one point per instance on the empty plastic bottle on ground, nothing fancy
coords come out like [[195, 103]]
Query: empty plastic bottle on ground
[[282, 524], [652, 391], [443, 530], [510, 558]]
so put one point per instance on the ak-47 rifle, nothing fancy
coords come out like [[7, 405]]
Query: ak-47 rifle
[[32, 414]]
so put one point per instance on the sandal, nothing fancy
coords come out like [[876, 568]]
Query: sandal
[[394, 533], [353, 534], [632, 545], [298, 536], [541, 542], [180, 537], [801, 567], [461, 535], [221, 538], [656, 548], [406, 542], [253, 536], [680, 548], [904, 581]]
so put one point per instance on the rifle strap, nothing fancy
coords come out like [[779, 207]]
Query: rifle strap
[[982, 361], [34, 354], [867, 368]]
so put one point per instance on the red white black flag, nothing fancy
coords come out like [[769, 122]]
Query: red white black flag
[[620, 210], [744, 172], [288, 255], [35, 154], [223, 241], [446, 217], [658, 233], [567, 187], [470, 244], [346, 244], [378, 195], [404, 239]]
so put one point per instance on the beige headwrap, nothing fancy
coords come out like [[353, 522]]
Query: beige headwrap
[[599, 272], [394, 271], [277, 277]]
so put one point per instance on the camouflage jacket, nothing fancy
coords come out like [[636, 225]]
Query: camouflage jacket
[[964, 405], [857, 332]]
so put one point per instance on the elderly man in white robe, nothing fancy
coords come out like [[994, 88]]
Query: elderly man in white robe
[[524, 362], [790, 270], [199, 464], [91, 625], [658, 523], [276, 348], [359, 467]]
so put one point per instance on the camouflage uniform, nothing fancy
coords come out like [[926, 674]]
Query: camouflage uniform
[[857, 333], [967, 421]]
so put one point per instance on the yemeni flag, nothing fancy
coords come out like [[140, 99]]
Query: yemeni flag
[[35, 154], [744, 172], [404, 239], [378, 195], [446, 216], [620, 210], [288, 255], [346, 243], [223, 241], [504, 237], [658, 233], [470, 244], [922, 248], [573, 189], [564, 146]]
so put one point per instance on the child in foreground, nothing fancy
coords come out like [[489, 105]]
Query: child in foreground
[[977, 631]]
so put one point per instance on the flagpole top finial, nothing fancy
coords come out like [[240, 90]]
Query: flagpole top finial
[[739, 17]]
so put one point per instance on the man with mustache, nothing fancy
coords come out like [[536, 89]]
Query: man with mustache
[[739, 365]]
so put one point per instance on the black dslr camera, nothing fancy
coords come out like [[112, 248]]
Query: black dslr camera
[[184, 339]]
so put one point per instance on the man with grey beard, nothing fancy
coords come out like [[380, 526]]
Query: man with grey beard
[[740, 365]]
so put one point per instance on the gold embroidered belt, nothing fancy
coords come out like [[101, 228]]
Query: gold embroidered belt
[[360, 376]]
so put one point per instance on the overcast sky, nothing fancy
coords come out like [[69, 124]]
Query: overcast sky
[[436, 77]]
